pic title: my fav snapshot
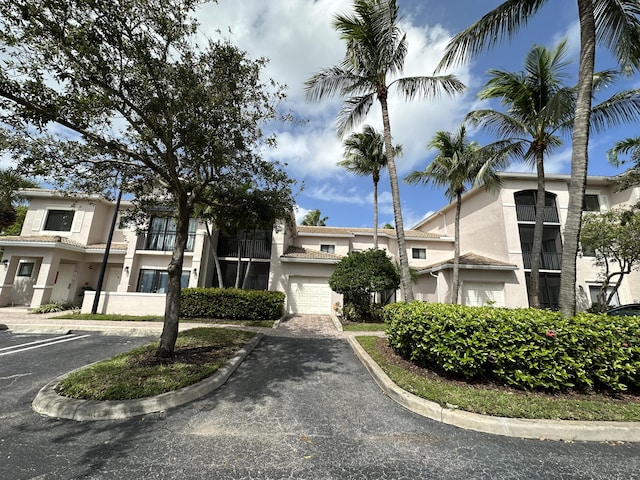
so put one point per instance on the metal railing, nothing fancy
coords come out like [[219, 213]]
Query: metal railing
[[162, 242], [527, 213], [549, 260], [228, 247]]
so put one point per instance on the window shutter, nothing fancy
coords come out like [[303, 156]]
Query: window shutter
[[604, 203], [76, 226], [37, 220]]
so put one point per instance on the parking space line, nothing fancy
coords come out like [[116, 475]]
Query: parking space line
[[45, 344], [12, 347]]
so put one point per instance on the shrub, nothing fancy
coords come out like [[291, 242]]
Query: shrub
[[358, 276], [55, 307], [524, 348], [231, 304]]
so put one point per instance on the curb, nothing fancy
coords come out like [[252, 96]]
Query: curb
[[48, 402], [567, 430]]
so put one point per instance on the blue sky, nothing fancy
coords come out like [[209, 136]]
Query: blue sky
[[297, 37]]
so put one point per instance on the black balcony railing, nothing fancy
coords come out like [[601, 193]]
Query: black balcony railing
[[550, 260], [527, 213], [228, 247], [162, 242]]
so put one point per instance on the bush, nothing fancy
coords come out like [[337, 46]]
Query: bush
[[55, 307], [231, 304], [524, 348]]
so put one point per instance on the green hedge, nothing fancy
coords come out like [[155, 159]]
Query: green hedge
[[231, 304], [524, 348]]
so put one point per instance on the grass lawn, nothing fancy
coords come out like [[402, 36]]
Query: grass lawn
[[363, 327], [199, 353], [498, 400]]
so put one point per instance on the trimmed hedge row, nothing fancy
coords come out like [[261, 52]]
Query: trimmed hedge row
[[231, 304], [524, 348]]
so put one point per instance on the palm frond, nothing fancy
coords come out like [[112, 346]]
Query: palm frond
[[628, 145], [329, 82], [622, 107], [618, 28], [352, 112], [430, 87], [499, 24]]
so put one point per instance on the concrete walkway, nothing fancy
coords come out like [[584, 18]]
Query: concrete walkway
[[296, 327]]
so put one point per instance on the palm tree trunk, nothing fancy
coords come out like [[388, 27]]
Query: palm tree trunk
[[455, 287], [216, 260], [538, 230], [239, 263], [375, 214], [405, 274], [579, 158]]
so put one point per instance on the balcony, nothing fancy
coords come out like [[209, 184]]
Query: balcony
[[549, 261], [162, 242], [527, 213], [260, 248]]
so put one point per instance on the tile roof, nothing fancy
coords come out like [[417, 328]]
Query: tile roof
[[365, 231], [59, 239], [473, 260], [308, 254]]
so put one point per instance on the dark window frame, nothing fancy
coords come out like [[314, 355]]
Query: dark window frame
[[58, 220]]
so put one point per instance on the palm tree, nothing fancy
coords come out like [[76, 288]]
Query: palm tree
[[313, 218], [614, 23], [375, 50], [538, 106], [460, 163], [629, 146], [365, 155]]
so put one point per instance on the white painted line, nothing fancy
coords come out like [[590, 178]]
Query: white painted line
[[44, 345], [32, 343]]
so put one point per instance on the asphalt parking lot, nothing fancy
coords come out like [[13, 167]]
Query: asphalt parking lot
[[301, 408]]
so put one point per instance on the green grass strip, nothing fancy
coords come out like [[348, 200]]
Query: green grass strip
[[132, 374], [514, 404]]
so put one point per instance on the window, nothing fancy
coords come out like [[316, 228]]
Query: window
[[328, 248], [25, 269], [591, 203], [155, 281], [162, 235], [59, 220], [419, 253], [594, 294]]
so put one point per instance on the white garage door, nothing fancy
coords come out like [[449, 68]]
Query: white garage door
[[479, 294], [309, 295]]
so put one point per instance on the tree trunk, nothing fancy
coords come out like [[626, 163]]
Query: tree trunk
[[455, 287], [239, 264], [579, 158], [405, 274], [375, 214], [538, 231], [174, 287], [249, 263], [216, 260]]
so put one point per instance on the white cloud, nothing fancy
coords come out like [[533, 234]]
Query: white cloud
[[300, 213]]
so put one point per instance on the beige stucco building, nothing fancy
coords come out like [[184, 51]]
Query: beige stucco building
[[58, 256]]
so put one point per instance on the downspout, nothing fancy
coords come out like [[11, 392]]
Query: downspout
[[437, 277]]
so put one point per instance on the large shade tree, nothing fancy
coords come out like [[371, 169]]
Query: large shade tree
[[459, 164], [375, 52], [364, 155], [613, 23], [131, 92]]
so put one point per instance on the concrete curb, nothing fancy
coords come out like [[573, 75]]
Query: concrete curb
[[567, 430], [49, 403]]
